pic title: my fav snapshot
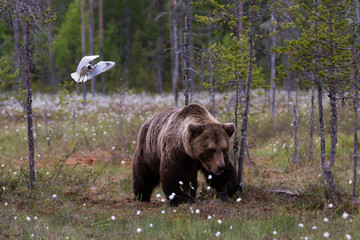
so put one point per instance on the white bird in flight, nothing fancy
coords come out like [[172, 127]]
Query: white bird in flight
[[86, 71]]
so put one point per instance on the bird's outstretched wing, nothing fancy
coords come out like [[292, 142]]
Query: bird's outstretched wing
[[100, 67], [85, 61]]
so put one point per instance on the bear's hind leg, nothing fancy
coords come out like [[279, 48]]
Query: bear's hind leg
[[144, 184]]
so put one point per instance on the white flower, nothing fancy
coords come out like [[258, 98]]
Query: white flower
[[217, 234], [122, 162], [162, 200], [6, 204], [54, 196], [230, 227], [350, 182], [345, 215], [171, 197], [181, 183], [138, 212], [331, 205], [2, 165], [238, 200], [113, 148], [113, 218], [15, 217], [163, 212], [326, 234], [210, 177], [314, 228], [35, 218], [138, 230], [348, 236], [274, 232], [208, 188], [28, 219], [301, 225], [219, 221], [209, 217], [104, 132], [158, 195], [197, 211], [151, 225], [326, 220]]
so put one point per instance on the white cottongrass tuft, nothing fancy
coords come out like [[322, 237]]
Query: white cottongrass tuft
[[197, 211], [209, 177], [158, 195], [301, 225], [208, 188], [28, 219], [326, 220], [54, 196], [238, 200], [113, 218], [138, 212], [314, 228], [163, 212], [274, 232], [217, 234], [209, 217], [350, 182], [345, 215], [326, 234], [348, 236], [151, 225], [331, 205], [181, 183], [219, 221], [138, 230], [171, 197], [6, 204], [162, 200]]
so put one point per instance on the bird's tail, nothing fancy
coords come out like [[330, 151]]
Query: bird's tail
[[75, 76]]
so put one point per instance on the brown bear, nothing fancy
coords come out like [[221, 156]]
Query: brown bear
[[174, 145]]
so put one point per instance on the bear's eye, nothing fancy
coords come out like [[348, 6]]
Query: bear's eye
[[211, 150]]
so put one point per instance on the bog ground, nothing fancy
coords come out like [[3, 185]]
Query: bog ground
[[83, 178]]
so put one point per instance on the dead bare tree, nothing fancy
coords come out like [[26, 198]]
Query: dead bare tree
[[174, 51]]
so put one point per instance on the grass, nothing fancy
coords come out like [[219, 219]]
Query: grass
[[84, 188]]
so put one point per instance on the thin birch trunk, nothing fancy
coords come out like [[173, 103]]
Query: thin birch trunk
[[191, 51], [247, 100], [211, 89], [101, 45], [92, 40], [185, 54], [295, 127], [83, 44], [46, 128], [174, 53], [160, 49], [16, 49], [272, 62], [356, 99], [237, 103], [74, 122], [26, 58], [311, 143]]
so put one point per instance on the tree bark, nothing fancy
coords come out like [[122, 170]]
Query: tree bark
[[83, 44], [311, 143], [174, 52], [356, 98], [185, 54], [101, 45], [211, 89], [247, 100], [295, 127], [51, 56], [27, 57], [272, 77], [92, 40], [191, 52], [16, 50], [237, 103], [128, 41], [160, 49]]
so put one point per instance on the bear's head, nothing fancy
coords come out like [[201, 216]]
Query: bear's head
[[210, 143]]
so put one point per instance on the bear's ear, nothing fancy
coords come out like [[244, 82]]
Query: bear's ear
[[229, 128], [195, 130]]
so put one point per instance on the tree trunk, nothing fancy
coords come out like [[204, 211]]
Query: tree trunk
[[160, 49], [185, 54], [191, 52], [211, 89], [16, 50], [128, 41], [356, 98], [26, 59], [174, 52], [247, 100], [237, 103], [51, 56], [83, 44], [295, 126], [272, 77], [101, 45], [92, 40], [311, 142], [322, 127]]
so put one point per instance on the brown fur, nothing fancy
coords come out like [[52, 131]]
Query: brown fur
[[173, 145]]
